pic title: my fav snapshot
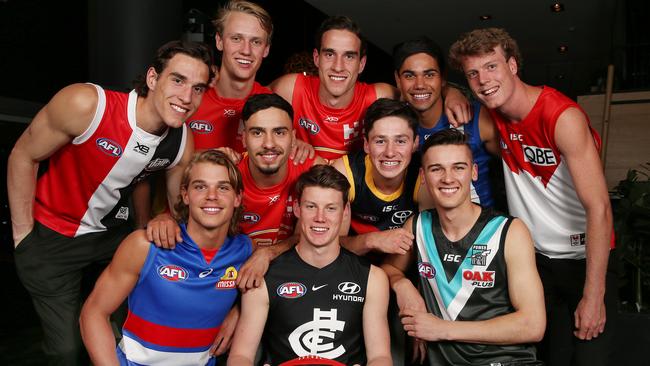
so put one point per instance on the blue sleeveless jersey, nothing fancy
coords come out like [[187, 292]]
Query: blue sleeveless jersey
[[179, 303], [481, 189]]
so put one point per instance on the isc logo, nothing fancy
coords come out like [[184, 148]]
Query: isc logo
[[291, 290], [250, 217], [308, 125], [539, 155], [451, 258], [201, 127], [172, 273], [109, 147], [426, 270]]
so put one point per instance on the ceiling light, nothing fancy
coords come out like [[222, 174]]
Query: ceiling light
[[557, 7], [485, 17], [563, 48]]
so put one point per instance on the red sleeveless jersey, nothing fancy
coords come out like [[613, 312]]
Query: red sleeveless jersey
[[268, 212], [88, 181], [218, 123], [332, 132]]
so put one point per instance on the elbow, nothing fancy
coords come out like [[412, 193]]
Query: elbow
[[534, 328]]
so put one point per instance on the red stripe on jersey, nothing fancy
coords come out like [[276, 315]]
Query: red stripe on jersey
[[169, 336]]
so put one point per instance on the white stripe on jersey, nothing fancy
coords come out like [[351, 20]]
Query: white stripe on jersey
[[138, 353]]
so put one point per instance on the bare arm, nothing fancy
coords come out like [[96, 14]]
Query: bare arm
[[488, 132], [283, 86], [252, 272], [457, 107], [384, 90], [66, 116], [525, 325], [375, 324], [112, 287], [574, 140], [254, 311]]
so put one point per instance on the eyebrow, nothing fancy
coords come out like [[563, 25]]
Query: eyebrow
[[352, 53], [184, 78], [413, 72], [402, 135], [453, 164]]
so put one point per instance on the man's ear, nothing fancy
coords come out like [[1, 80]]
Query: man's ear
[[151, 78], [218, 41]]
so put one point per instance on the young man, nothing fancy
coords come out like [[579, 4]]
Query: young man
[[98, 143], [178, 298], [383, 179], [329, 109], [555, 183], [317, 299], [420, 74], [484, 299]]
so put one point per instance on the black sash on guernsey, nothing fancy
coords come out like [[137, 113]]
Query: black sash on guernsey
[[374, 211], [467, 281], [316, 311]]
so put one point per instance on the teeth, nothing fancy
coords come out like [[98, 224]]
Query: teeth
[[421, 96], [244, 62], [319, 229], [211, 209], [490, 91], [390, 163], [337, 78], [179, 109], [448, 190]]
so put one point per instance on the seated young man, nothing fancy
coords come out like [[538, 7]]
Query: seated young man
[[317, 299], [484, 299], [177, 298]]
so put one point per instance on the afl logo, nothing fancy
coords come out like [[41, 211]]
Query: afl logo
[[250, 217], [426, 270], [308, 125], [291, 290], [109, 147], [349, 288], [172, 273], [201, 127]]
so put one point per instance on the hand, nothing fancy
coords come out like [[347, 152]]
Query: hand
[[457, 107], [423, 325], [252, 272], [164, 231], [397, 241], [419, 351], [590, 318], [300, 151], [233, 155], [224, 337], [21, 232]]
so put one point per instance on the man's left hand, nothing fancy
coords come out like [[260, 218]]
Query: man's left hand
[[300, 151], [252, 272], [590, 318]]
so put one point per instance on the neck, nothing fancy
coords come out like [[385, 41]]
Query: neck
[[146, 117], [385, 185], [268, 180], [231, 88], [457, 222], [331, 101], [521, 102], [207, 238], [318, 257], [429, 118]]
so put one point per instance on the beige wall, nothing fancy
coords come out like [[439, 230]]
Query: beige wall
[[629, 131]]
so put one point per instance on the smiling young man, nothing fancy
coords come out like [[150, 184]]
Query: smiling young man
[[317, 299], [178, 299], [99, 143], [329, 109], [483, 299], [555, 184], [420, 74]]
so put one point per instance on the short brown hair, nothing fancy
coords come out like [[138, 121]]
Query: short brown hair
[[483, 41], [324, 176], [234, 177], [245, 7]]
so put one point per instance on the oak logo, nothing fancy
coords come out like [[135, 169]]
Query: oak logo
[[484, 279], [109, 147]]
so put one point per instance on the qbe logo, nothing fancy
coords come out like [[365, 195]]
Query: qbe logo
[[250, 217], [109, 147], [426, 270], [201, 127], [484, 279], [172, 273], [291, 290], [308, 125], [539, 155]]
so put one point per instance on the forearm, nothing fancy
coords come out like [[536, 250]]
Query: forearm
[[238, 360], [21, 185], [281, 246], [358, 244], [513, 328], [599, 226], [98, 337], [379, 361]]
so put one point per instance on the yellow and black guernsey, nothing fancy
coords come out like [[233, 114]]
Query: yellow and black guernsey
[[467, 280], [373, 210]]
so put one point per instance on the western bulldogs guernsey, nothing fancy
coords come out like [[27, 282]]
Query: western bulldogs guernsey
[[98, 168], [467, 280], [218, 123], [179, 302], [539, 187], [316, 311], [332, 132], [481, 189], [373, 210], [268, 212]]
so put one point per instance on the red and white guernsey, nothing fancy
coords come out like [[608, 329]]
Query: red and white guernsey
[[218, 123], [332, 132], [539, 187], [268, 212], [87, 184]]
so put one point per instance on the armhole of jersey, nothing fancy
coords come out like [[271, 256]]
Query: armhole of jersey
[[148, 263], [97, 118], [504, 234], [414, 226], [418, 186], [181, 149], [299, 80], [350, 176]]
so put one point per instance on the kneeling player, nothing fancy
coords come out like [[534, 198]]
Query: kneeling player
[[178, 298]]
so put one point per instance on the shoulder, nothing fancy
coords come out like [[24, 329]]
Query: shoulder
[[73, 107], [133, 251], [284, 86], [384, 90]]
